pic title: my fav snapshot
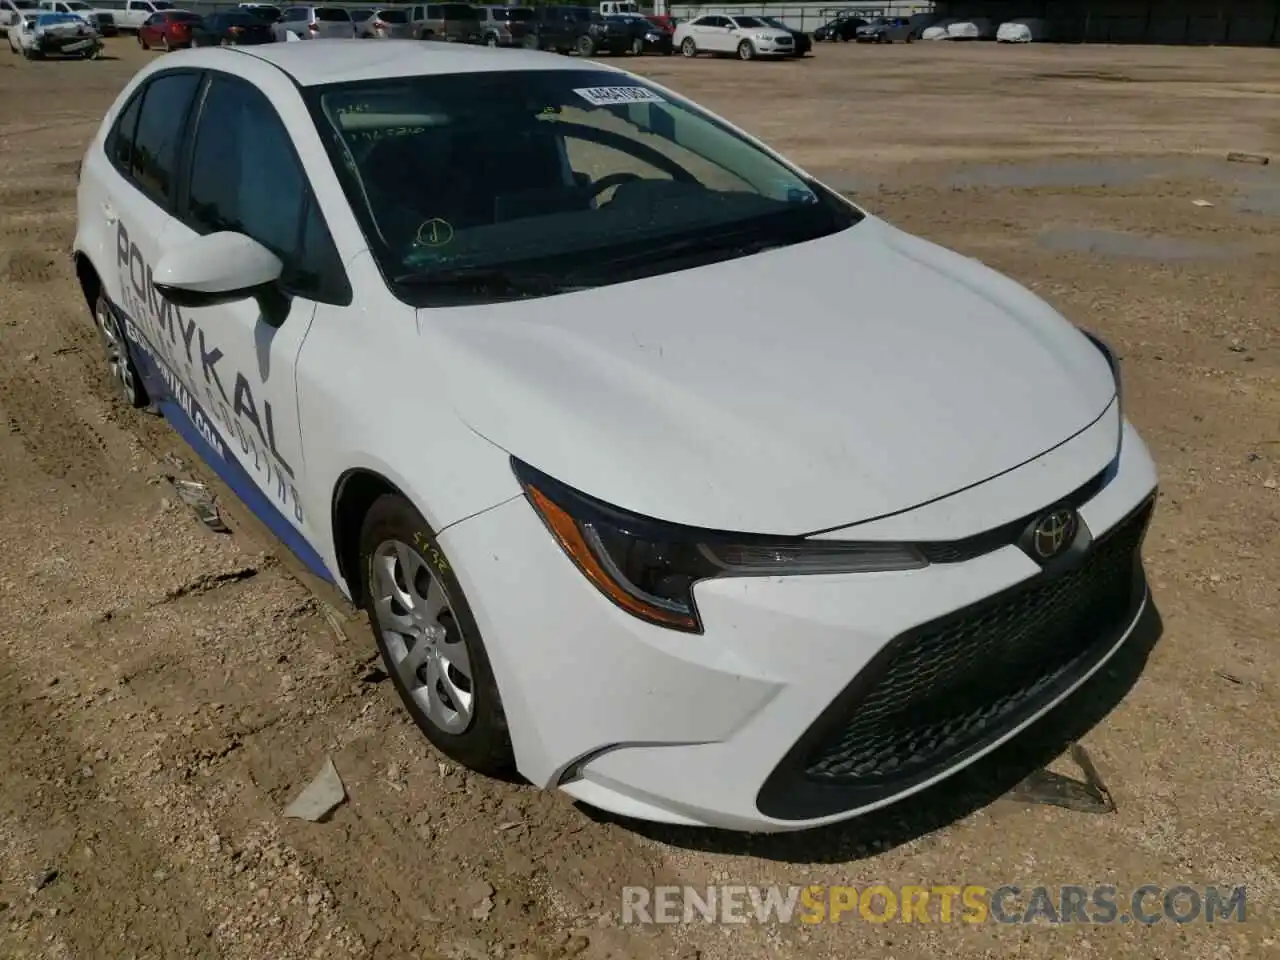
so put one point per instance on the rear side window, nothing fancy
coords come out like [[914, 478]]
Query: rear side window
[[393, 16], [332, 15], [159, 134], [246, 177], [120, 140]]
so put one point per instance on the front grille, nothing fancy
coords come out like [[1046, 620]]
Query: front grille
[[948, 686]]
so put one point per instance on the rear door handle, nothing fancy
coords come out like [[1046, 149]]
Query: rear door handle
[[109, 213]]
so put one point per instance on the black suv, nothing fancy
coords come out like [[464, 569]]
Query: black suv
[[565, 28]]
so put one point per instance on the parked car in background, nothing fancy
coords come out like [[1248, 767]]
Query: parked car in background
[[314, 23], [230, 28], [46, 33], [804, 43], [12, 11], [100, 20], [842, 28], [748, 37], [974, 28], [452, 22], [504, 26], [645, 37], [574, 28], [264, 11], [1022, 30], [937, 30], [168, 29], [386, 23], [359, 15], [884, 30]]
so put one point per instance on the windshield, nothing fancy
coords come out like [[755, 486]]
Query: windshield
[[591, 175], [513, 13]]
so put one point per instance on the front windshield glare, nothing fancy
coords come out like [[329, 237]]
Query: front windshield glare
[[588, 173]]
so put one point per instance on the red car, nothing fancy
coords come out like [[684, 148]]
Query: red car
[[168, 29]]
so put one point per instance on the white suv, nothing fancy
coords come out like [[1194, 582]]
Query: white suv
[[634, 503]]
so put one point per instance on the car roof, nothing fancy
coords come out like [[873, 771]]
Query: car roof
[[318, 62]]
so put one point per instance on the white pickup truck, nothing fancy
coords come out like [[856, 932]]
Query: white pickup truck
[[102, 20], [129, 15]]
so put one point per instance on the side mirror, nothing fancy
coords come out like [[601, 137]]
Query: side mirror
[[215, 269]]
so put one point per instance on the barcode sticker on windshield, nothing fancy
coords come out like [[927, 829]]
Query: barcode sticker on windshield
[[609, 96]]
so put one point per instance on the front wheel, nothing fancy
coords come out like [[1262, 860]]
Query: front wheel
[[530, 43], [164, 43], [429, 639], [746, 51], [689, 48], [637, 47], [585, 46]]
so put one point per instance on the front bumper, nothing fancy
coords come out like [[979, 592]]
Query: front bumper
[[808, 700], [774, 48]]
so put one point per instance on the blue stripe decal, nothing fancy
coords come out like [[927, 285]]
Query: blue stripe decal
[[196, 428]]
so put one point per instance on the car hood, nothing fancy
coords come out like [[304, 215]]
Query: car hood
[[795, 390]]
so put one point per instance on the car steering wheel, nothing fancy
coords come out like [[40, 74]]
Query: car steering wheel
[[597, 187]]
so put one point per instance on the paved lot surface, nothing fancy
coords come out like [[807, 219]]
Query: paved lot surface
[[165, 691]]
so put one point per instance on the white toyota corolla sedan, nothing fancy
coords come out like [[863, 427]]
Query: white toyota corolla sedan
[[526, 355]]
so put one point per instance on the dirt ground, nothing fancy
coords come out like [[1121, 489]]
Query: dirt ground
[[165, 691]]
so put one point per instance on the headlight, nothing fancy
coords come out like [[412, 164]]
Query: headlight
[[648, 567], [1112, 361]]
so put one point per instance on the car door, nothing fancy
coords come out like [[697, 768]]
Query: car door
[[718, 31], [245, 176]]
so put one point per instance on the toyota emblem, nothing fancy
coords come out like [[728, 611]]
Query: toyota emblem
[[1053, 533]]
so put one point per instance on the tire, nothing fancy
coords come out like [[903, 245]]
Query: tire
[[471, 731], [585, 46], [164, 43], [124, 373], [688, 48], [637, 47], [142, 43], [530, 42], [491, 41], [746, 51]]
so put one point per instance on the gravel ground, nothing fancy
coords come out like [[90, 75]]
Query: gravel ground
[[165, 691]]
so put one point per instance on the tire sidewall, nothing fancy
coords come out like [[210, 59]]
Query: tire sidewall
[[746, 51], [688, 47], [485, 745]]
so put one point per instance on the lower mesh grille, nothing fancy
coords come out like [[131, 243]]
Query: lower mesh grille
[[954, 683]]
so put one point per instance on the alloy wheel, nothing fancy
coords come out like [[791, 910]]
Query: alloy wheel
[[113, 345], [423, 637]]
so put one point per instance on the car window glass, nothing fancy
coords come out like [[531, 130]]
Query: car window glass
[[160, 126], [332, 15], [245, 177], [433, 13], [120, 141]]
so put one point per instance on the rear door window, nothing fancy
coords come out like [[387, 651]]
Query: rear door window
[[393, 16], [332, 15], [161, 126]]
